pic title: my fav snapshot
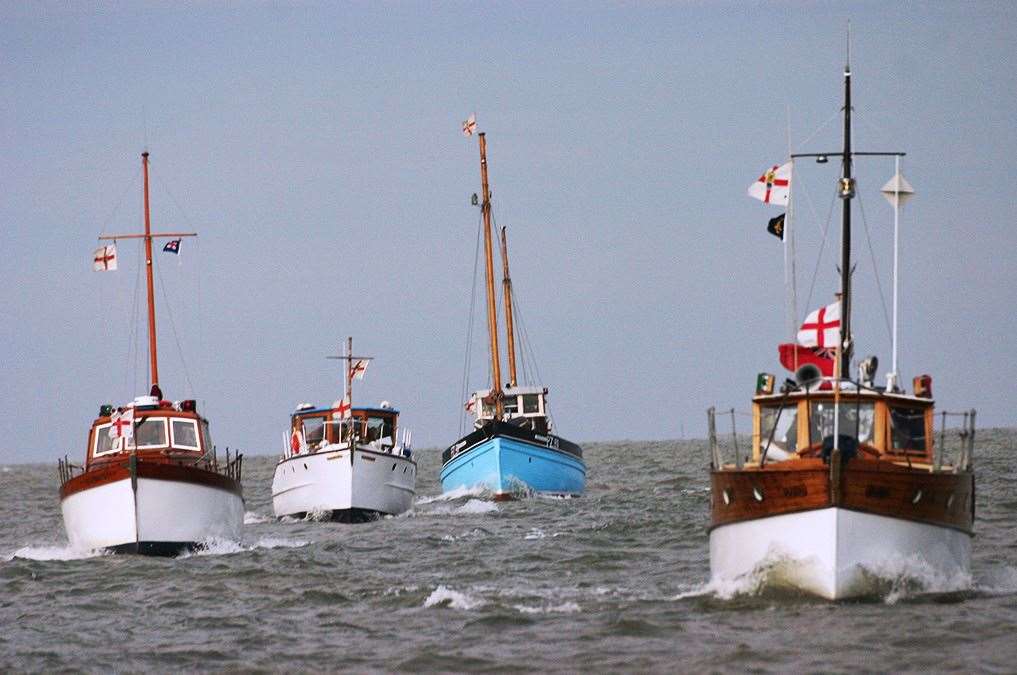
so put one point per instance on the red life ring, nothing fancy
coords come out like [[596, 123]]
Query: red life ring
[[295, 442]]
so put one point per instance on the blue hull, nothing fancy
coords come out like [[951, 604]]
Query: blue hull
[[507, 465]]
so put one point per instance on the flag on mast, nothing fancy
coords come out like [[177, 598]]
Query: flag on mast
[[470, 125], [774, 186], [817, 341], [776, 226], [821, 327], [172, 246], [358, 369], [104, 259]]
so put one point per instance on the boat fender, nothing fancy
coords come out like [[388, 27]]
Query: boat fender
[[295, 442]]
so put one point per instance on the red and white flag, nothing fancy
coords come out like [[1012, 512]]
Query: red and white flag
[[345, 408], [123, 424], [105, 258], [470, 125], [774, 186], [358, 369], [821, 328]]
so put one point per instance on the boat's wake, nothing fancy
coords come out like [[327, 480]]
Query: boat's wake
[[53, 552], [454, 494], [254, 518], [215, 546]]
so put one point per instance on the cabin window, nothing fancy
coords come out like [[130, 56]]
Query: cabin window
[[531, 403], [487, 409], [149, 432], [184, 434], [377, 429], [785, 437], [907, 426], [855, 420], [314, 430], [511, 405], [206, 436], [103, 443]]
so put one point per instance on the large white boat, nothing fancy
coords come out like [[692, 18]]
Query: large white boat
[[845, 483], [151, 482], [343, 463]]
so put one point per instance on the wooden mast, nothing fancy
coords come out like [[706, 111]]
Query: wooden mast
[[153, 358], [492, 313], [510, 345]]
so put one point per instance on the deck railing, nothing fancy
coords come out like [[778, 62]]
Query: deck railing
[[726, 444], [955, 445]]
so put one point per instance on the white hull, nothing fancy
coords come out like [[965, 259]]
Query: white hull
[[162, 512], [328, 481], [835, 553]]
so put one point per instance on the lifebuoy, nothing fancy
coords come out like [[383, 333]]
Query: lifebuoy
[[295, 442]]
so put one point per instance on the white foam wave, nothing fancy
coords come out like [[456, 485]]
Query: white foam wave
[[910, 576], [218, 546], [443, 596], [252, 518], [563, 608], [477, 506], [54, 553], [451, 495], [999, 581]]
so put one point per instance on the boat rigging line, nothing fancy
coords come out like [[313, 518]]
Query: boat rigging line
[[468, 358], [875, 268]]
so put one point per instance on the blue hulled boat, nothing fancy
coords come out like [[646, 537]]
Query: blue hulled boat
[[512, 449]]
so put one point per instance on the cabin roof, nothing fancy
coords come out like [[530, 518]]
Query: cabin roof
[[513, 391], [848, 390], [323, 411]]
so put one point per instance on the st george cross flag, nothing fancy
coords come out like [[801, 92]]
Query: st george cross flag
[[172, 246], [123, 424], [359, 369], [470, 125], [105, 258], [345, 408], [821, 328], [774, 186]]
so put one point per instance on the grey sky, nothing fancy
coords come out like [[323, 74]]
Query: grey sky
[[316, 148]]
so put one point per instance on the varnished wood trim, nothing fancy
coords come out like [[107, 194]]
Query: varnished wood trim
[[113, 471], [870, 486]]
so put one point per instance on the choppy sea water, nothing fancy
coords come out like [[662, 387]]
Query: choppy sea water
[[615, 581]]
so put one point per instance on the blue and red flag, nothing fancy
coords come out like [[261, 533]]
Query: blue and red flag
[[172, 246]]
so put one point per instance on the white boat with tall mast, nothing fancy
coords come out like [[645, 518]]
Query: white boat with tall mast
[[845, 481], [512, 448], [151, 482], [345, 463]]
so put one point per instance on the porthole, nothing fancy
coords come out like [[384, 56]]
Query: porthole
[[949, 501], [917, 498], [758, 494], [726, 496], [393, 466], [305, 465]]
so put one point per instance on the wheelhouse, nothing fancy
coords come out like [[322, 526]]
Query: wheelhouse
[[893, 426], [159, 427], [524, 406], [312, 429]]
